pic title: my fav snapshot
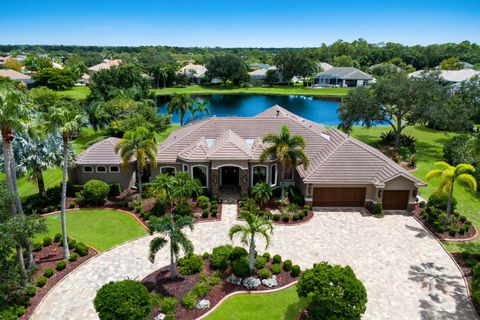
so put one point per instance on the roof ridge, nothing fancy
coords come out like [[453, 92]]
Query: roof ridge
[[189, 133], [326, 158]]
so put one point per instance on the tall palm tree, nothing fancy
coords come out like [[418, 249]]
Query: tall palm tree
[[256, 225], [201, 107], [139, 145], [68, 119], [171, 230], [180, 103], [289, 150], [449, 175]]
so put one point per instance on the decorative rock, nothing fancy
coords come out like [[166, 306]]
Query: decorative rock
[[203, 304], [234, 280], [160, 316], [251, 283], [270, 282]]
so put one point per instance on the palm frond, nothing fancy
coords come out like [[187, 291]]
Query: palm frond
[[433, 173], [155, 245], [468, 180]]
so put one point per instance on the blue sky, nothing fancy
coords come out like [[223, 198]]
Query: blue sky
[[240, 23]]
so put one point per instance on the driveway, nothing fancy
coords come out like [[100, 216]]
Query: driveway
[[407, 273]]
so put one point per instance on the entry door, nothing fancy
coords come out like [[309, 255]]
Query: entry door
[[230, 176]]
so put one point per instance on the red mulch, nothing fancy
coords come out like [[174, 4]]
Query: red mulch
[[443, 235], [48, 258], [158, 281]]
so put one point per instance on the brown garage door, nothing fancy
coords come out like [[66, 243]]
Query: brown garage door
[[395, 199], [339, 197]]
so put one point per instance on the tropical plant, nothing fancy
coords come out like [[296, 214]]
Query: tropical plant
[[262, 192], [140, 145], [181, 103], [171, 230], [201, 107], [289, 150], [449, 175], [256, 225]]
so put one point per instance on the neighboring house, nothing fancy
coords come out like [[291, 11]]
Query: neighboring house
[[450, 76], [194, 72], [57, 65], [261, 74], [465, 65], [324, 66], [17, 76], [106, 64], [3, 60], [344, 77], [223, 153]]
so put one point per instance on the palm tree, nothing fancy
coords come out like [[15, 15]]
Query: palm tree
[[68, 119], [140, 145], [186, 187], [162, 185], [180, 103], [170, 228], [462, 173], [289, 150], [256, 225], [262, 191], [201, 107]]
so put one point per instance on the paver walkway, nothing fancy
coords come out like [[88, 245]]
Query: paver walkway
[[407, 273]]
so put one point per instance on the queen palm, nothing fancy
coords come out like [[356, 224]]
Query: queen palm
[[289, 150], [449, 176], [67, 119], [140, 145], [256, 225], [180, 103], [171, 230]]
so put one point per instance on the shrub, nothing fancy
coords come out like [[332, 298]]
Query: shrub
[[285, 218], [158, 209], [201, 289], [214, 213], [205, 255], [406, 141], [47, 241], [266, 255], [36, 246], [422, 204], [220, 258], [168, 305], [61, 265], [476, 282], [190, 264], [463, 219], [296, 197], [378, 209], [41, 282], [462, 230], [205, 213], [295, 270], [214, 205], [334, 292], [183, 209], [48, 272], [203, 202], [277, 258], [453, 231], [260, 262], [73, 257], [439, 200], [189, 300], [295, 217], [8, 313], [138, 209], [72, 205], [58, 237], [275, 268], [94, 192], [264, 274], [456, 150], [240, 267], [126, 299], [115, 190], [276, 217], [287, 265], [81, 249], [72, 243], [237, 253], [216, 279], [30, 291]]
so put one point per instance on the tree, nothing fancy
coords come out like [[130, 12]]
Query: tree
[[345, 61], [200, 107], [180, 103], [35, 63], [141, 146], [76, 64], [68, 119], [44, 98], [333, 292], [449, 176], [292, 63], [459, 150], [452, 63], [262, 192], [56, 79], [227, 67], [13, 64], [271, 77], [289, 150], [171, 228], [256, 225]]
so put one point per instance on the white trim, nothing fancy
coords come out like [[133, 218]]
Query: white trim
[[96, 169], [266, 173], [276, 175], [174, 169], [206, 171], [110, 169], [185, 166], [83, 169], [230, 165]]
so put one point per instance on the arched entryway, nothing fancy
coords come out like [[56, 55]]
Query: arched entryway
[[229, 176]]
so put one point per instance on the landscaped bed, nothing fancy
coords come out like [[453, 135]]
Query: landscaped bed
[[280, 213]]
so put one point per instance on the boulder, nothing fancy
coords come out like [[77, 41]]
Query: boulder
[[270, 282], [160, 316], [234, 280], [251, 283], [203, 304]]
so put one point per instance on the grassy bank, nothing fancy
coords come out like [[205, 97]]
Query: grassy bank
[[78, 93]]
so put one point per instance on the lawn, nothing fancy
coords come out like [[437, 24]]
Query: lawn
[[159, 137], [102, 229], [280, 305], [79, 93]]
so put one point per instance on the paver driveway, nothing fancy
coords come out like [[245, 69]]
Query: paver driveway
[[406, 272]]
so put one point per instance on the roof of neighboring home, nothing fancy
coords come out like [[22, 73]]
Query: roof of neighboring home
[[450, 75], [325, 66], [106, 64], [15, 75], [199, 70], [346, 73], [100, 153], [261, 72], [57, 65]]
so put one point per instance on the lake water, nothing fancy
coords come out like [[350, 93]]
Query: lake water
[[316, 109]]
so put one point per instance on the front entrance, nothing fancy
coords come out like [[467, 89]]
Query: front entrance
[[230, 176]]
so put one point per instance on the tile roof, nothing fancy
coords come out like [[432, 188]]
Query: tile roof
[[346, 73], [199, 70], [106, 64], [450, 75], [14, 75], [102, 152]]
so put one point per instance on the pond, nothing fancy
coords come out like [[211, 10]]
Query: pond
[[320, 110]]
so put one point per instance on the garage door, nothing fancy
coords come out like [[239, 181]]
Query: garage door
[[339, 197], [395, 199]]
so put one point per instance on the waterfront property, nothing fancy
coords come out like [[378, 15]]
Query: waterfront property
[[223, 154], [345, 77]]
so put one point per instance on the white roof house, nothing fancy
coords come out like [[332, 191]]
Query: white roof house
[[261, 74], [325, 66], [193, 70], [453, 76], [106, 64]]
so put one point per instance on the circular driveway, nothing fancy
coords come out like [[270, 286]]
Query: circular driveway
[[407, 273]]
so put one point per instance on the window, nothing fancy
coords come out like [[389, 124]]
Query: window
[[185, 167], [273, 175], [87, 169], [101, 169], [200, 173], [168, 170], [288, 173], [114, 169], [259, 174]]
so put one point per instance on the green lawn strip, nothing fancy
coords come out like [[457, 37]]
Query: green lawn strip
[[280, 305], [85, 139], [159, 137], [78, 93], [100, 228]]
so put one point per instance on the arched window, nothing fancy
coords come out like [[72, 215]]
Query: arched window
[[200, 172], [259, 174], [168, 170]]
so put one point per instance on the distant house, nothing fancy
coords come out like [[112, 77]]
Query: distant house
[[106, 64], [345, 77], [194, 72], [324, 66], [17, 76], [450, 76], [261, 74], [3, 60], [57, 65]]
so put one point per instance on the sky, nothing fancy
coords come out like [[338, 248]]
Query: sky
[[237, 23]]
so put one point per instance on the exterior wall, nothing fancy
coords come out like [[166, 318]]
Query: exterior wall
[[402, 183], [156, 171], [126, 178]]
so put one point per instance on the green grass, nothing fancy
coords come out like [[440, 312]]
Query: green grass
[[159, 137], [102, 229], [79, 93], [325, 92], [280, 305]]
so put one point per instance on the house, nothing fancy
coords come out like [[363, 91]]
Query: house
[[324, 66], [449, 76], [194, 72], [223, 153], [17, 76], [261, 74], [4, 60], [342, 77], [106, 64]]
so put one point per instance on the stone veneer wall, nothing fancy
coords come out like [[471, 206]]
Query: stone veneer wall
[[215, 181], [244, 181]]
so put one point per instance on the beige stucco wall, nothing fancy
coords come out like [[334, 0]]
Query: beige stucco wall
[[126, 177]]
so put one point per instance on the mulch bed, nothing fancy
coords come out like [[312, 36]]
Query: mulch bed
[[159, 282], [467, 271], [268, 207], [443, 235], [48, 258]]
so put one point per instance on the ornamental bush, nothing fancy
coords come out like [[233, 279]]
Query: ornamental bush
[[203, 202], [201, 289], [260, 262], [37, 246], [287, 265], [58, 237], [275, 268], [240, 267], [334, 292], [81, 249], [73, 257], [41, 282], [183, 209], [190, 264], [277, 258], [220, 258], [439, 200], [189, 300], [476, 282], [168, 305], [115, 190], [266, 255], [94, 192], [48, 272], [126, 299], [47, 241], [237, 253], [264, 274], [295, 270], [61, 265]]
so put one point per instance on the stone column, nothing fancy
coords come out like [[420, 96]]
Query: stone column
[[215, 180], [244, 181]]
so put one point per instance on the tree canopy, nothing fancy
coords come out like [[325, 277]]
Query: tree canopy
[[227, 67]]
